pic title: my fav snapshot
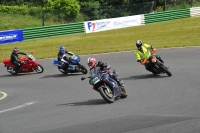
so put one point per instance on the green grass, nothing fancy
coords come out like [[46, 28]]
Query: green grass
[[16, 21], [177, 33]]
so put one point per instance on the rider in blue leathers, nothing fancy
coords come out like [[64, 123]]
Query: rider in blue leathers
[[61, 55]]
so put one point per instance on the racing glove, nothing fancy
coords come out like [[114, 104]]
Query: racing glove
[[22, 62]]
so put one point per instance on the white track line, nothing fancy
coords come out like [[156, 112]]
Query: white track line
[[4, 95], [17, 107]]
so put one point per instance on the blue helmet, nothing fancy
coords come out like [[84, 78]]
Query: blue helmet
[[62, 48]]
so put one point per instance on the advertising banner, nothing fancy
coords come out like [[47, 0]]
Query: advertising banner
[[11, 36], [113, 23]]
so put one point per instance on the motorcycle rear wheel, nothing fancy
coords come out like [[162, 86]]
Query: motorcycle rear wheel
[[11, 70], [39, 69], [62, 71], [83, 69], [106, 96]]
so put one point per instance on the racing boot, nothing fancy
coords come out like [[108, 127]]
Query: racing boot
[[17, 69], [66, 67], [120, 82]]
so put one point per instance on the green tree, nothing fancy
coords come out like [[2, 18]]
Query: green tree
[[89, 9], [71, 7]]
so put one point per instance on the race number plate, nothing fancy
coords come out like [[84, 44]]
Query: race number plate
[[30, 56], [74, 57], [95, 80]]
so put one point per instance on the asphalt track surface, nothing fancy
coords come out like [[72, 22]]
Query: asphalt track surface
[[54, 103]]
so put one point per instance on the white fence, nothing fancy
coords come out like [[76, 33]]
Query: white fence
[[195, 11]]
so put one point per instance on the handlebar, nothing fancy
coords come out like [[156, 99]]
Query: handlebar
[[153, 50]]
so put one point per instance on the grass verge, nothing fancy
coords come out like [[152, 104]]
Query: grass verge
[[176, 33], [17, 21]]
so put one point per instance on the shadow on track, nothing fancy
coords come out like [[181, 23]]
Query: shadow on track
[[59, 75], [89, 102], [145, 77], [19, 74]]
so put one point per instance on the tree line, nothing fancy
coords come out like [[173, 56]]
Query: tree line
[[81, 10], [82, 3]]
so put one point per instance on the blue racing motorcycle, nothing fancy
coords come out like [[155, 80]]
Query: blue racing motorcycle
[[74, 65], [104, 83]]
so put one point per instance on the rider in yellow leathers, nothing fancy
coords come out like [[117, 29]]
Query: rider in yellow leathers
[[144, 51]]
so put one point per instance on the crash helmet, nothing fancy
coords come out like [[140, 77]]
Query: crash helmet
[[62, 48], [91, 62], [15, 49], [139, 43]]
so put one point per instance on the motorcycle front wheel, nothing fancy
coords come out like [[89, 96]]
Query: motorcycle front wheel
[[107, 94], [166, 70], [39, 69]]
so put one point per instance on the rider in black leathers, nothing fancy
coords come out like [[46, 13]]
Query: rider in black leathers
[[15, 59]]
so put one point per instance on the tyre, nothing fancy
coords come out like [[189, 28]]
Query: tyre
[[166, 70], [83, 69], [107, 94], [11, 70], [123, 95], [39, 69], [62, 71]]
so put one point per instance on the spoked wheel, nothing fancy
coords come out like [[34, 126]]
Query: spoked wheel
[[83, 69], [107, 94], [39, 69], [11, 70], [62, 71]]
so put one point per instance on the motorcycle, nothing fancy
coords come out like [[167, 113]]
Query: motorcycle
[[156, 64], [108, 88], [74, 65], [28, 65]]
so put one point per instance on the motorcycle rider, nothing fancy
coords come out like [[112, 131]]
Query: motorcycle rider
[[61, 55], [14, 59], [104, 67], [143, 51]]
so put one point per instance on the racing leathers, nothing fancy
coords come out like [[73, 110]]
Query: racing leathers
[[61, 55], [106, 68], [144, 53], [14, 59]]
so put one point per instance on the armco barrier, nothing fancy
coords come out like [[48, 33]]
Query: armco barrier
[[55, 30], [166, 15]]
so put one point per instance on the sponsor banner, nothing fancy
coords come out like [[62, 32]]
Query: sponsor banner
[[11, 36], [114, 23]]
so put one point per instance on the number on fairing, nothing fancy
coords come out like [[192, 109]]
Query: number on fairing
[[74, 57], [95, 80], [30, 56]]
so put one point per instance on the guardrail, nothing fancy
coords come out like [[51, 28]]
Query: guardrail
[[55, 30], [166, 15], [195, 11]]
